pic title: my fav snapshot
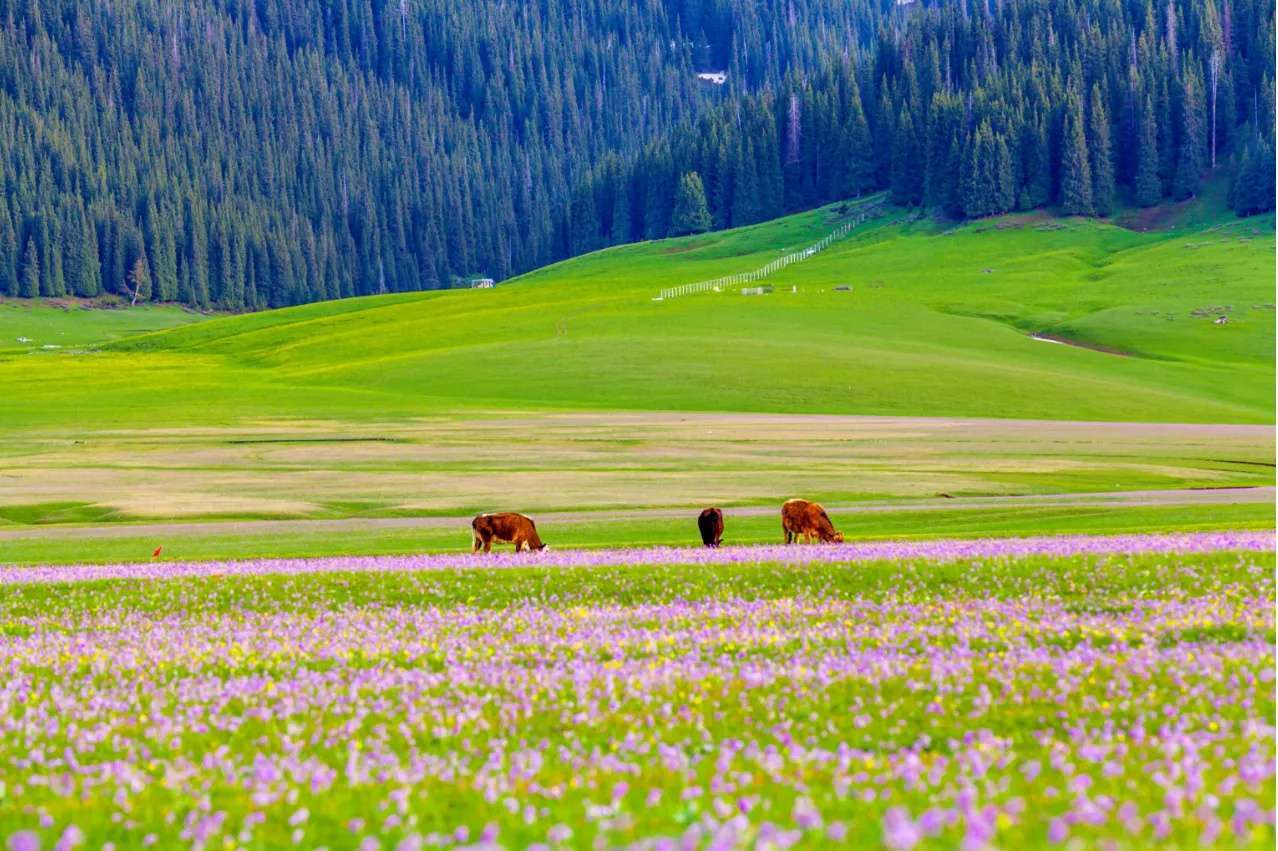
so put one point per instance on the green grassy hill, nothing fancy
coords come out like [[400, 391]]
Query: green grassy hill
[[380, 424], [50, 325], [938, 323]]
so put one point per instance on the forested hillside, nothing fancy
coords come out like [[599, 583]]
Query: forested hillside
[[239, 154], [248, 153], [975, 111]]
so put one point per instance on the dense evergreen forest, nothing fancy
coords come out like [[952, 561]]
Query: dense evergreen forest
[[974, 110], [240, 154]]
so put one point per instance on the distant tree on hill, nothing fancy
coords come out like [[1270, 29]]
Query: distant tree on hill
[[29, 284], [584, 222], [1148, 186], [1191, 161], [139, 280], [1076, 172], [1251, 189], [855, 152], [691, 215], [84, 274], [907, 163], [1102, 155], [8, 253]]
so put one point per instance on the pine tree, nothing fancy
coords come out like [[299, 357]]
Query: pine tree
[[8, 253], [745, 190], [84, 272], [1004, 176], [1165, 124], [165, 273], [940, 182], [1148, 186], [856, 152], [1036, 166], [1076, 173], [54, 281], [691, 215], [620, 214], [1102, 155], [978, 188], [29, 284], [1191, 161], [907, 164], [1251, 189], [884, 136], [584, 233]]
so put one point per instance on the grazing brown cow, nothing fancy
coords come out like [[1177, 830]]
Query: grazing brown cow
[[711, 525], [800, 517], [507, 527]]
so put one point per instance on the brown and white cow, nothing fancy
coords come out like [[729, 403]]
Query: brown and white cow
[[800, 517], [710, 522], [506, 527]]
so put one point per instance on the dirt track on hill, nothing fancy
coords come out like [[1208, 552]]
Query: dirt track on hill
[[1132, 499]]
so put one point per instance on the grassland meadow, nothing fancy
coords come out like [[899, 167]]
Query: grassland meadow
[[1109, 692]]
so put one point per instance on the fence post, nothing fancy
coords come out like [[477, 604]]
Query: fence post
[[863, 214]]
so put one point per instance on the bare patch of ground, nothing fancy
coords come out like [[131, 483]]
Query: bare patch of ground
[[1079, 344]]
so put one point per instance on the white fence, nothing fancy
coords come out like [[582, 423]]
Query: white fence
[[865, 212]]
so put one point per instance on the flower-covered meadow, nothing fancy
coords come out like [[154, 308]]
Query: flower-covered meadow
[[1068, 693]]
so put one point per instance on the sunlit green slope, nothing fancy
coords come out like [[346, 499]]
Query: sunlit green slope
[[938, 323]]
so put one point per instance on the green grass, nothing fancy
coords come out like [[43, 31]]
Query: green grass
[[232, 541], [1081, 584], [50, 325], [570, 388], [937, 325], [318, 710]]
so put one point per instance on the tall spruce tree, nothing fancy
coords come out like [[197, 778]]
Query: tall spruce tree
[[1191, 162], [908, 166], [8, 253], [83, 272], [29, 283], [691, 215], [584, 230], [856, 152], [1102, 154], [1004, 176], [1148, 186], [1076, 172], [1036, 164], [1251, 189]]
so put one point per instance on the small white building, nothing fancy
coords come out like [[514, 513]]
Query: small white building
[[482, 283]]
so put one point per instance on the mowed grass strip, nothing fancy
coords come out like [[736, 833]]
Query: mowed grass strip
[[555, 462], [222, 541]]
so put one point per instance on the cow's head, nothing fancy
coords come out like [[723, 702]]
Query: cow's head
[[836, 538], [542, 547]]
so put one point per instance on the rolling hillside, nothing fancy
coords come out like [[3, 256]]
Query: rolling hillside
[[938, 323], [380, 424]]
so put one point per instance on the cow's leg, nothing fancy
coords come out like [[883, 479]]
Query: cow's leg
[[488, 543], [478, 543]]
